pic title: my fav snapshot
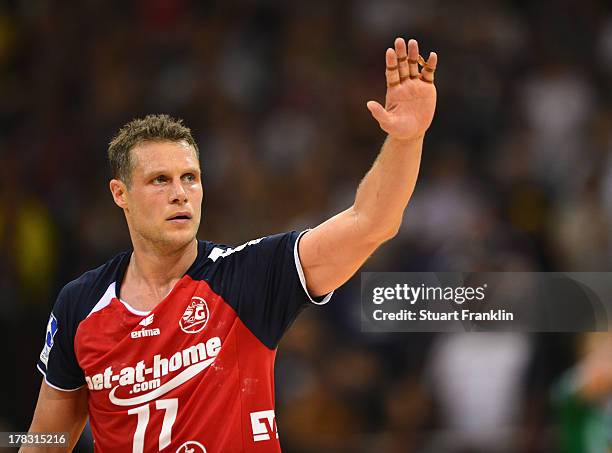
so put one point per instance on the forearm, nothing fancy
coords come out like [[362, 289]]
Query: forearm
[[50, 423], [71, 405], [386, 189], [333, 251]]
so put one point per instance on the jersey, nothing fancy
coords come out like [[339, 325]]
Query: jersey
[[196, 373]]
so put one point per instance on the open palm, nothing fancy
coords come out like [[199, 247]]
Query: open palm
[[411, 95]]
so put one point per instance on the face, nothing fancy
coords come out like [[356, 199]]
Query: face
[[163, 204]]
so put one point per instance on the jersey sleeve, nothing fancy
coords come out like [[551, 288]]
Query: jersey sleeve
[[266, 284], [57, 361]]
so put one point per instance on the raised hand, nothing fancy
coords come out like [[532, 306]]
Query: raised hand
[[411, 95]]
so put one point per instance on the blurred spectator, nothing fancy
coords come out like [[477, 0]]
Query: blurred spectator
[[477, 382], [583, 398]]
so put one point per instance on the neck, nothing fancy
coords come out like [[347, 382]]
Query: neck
[[159, 268]]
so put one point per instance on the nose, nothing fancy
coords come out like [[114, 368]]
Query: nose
[[178, 195]]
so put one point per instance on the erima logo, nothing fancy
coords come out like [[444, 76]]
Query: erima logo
[[263, 424], [51, 331], [217, 252], [140, 378], [147, 321], [146, 332]]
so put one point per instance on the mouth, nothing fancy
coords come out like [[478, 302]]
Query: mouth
[[180, 217]]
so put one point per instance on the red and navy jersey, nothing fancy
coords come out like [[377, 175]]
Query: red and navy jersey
[[196, 373]]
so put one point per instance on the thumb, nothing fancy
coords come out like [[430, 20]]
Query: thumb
[[378, 111]]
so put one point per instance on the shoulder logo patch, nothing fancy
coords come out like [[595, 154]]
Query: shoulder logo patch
[[51, 331], [195, 317]]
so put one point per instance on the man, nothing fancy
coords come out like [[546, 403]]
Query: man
[[171, 347]]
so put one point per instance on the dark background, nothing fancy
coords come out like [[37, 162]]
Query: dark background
[[516, 175]]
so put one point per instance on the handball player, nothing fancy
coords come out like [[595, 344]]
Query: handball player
[[171, 346]]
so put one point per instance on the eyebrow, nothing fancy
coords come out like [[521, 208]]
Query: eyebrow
[[158, 172]]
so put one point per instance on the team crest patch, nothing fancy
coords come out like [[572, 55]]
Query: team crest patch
[[195, 317], [191, 447], [51, 331]]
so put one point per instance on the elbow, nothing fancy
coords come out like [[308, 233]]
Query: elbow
[[391, 231], [381, 230]]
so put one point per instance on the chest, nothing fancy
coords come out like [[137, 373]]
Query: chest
[[116, 346]]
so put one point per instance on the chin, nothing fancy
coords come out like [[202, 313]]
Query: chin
[[183, 239], [177, 239]]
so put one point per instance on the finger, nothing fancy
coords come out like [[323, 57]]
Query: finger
[[427, 74], [413, 55], [402, 58], [392, 73], [378, 112]]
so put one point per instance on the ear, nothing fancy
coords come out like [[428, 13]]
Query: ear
[[119, 191]]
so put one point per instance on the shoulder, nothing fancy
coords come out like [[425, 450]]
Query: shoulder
[[212, 255], [271, 242], [80, 295], [205, 262]]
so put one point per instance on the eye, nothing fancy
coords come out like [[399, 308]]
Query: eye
[[190, 177], [160, 179]]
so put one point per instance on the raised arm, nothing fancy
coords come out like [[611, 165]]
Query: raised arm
[[332, 252], [59, 411]]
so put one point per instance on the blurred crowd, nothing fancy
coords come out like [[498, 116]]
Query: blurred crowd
[[516, 176]]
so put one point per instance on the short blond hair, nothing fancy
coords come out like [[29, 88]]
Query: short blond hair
[[151, 128]]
